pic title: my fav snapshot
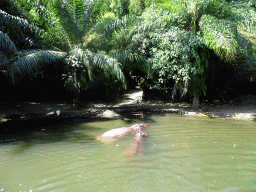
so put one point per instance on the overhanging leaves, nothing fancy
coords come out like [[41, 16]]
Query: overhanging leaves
[[220, 36], [16, 23], [6, 44], [26, 63], [89, 59]]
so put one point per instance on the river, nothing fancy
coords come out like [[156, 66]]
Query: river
[[181, 153]]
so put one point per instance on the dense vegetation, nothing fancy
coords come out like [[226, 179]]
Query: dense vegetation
[[179, 49]]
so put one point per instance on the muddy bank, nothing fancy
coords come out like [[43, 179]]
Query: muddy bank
[[242, 108]]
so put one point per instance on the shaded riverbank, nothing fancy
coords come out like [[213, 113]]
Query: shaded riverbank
[[242, 108]]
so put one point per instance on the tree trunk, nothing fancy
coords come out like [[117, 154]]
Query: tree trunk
[[75, 87], [195, 101]]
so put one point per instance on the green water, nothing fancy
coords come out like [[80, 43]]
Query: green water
[[181, 154]]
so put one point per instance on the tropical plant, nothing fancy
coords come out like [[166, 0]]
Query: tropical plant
[[115, 37], [120, 7], [137, 6], [183, 38], [124, 7], [217, 26], [67, 24]]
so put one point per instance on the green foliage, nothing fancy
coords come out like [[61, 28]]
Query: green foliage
[[172, 54], [120, 7], [219, 35], [183, 38], [6, 44], [114, 36], [64, 25], [9, 22], [124, 7], [3, 60], [173, 42], [177, 42], [28, 62], [136, 6], [148, 3], [14, 7]]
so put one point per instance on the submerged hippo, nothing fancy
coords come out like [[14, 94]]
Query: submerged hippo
[[137, 146], [121, 132]]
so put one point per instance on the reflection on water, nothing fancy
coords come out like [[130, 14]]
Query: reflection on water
[[181, 154]]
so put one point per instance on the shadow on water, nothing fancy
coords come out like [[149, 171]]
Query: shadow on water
[[141, 115], [29, 133], [32, 132]]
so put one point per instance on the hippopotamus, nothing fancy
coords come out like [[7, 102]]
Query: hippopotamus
[[137, 146], [121, 132]]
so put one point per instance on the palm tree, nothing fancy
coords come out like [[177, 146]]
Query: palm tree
[[220, 27], [67, 24], [20, 63], [115, 37], [183, 37]]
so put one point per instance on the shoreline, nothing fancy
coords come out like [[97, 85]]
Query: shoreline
[[241, 108], [49, 110]]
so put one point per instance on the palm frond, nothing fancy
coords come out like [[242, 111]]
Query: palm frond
[[16, 23], [100, 34], [155, 18], [57, 38], [26, 63], [75, 16], [29, 32], [65, 14], [220, 9], [121, 23], [95, 10], [6, 44], [106, 62], [245, 15], [106, 27], [131, 59], [89, 60], [3, 61], [220, 36], [245, 44]]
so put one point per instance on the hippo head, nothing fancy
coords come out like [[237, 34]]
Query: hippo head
[[138, 128]]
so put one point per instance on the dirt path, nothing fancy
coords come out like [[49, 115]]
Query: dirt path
[[243, 108]]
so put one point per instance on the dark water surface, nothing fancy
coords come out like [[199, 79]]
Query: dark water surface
[[181, 154]]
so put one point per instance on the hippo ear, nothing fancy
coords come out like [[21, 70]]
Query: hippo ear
[[143, 125]]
